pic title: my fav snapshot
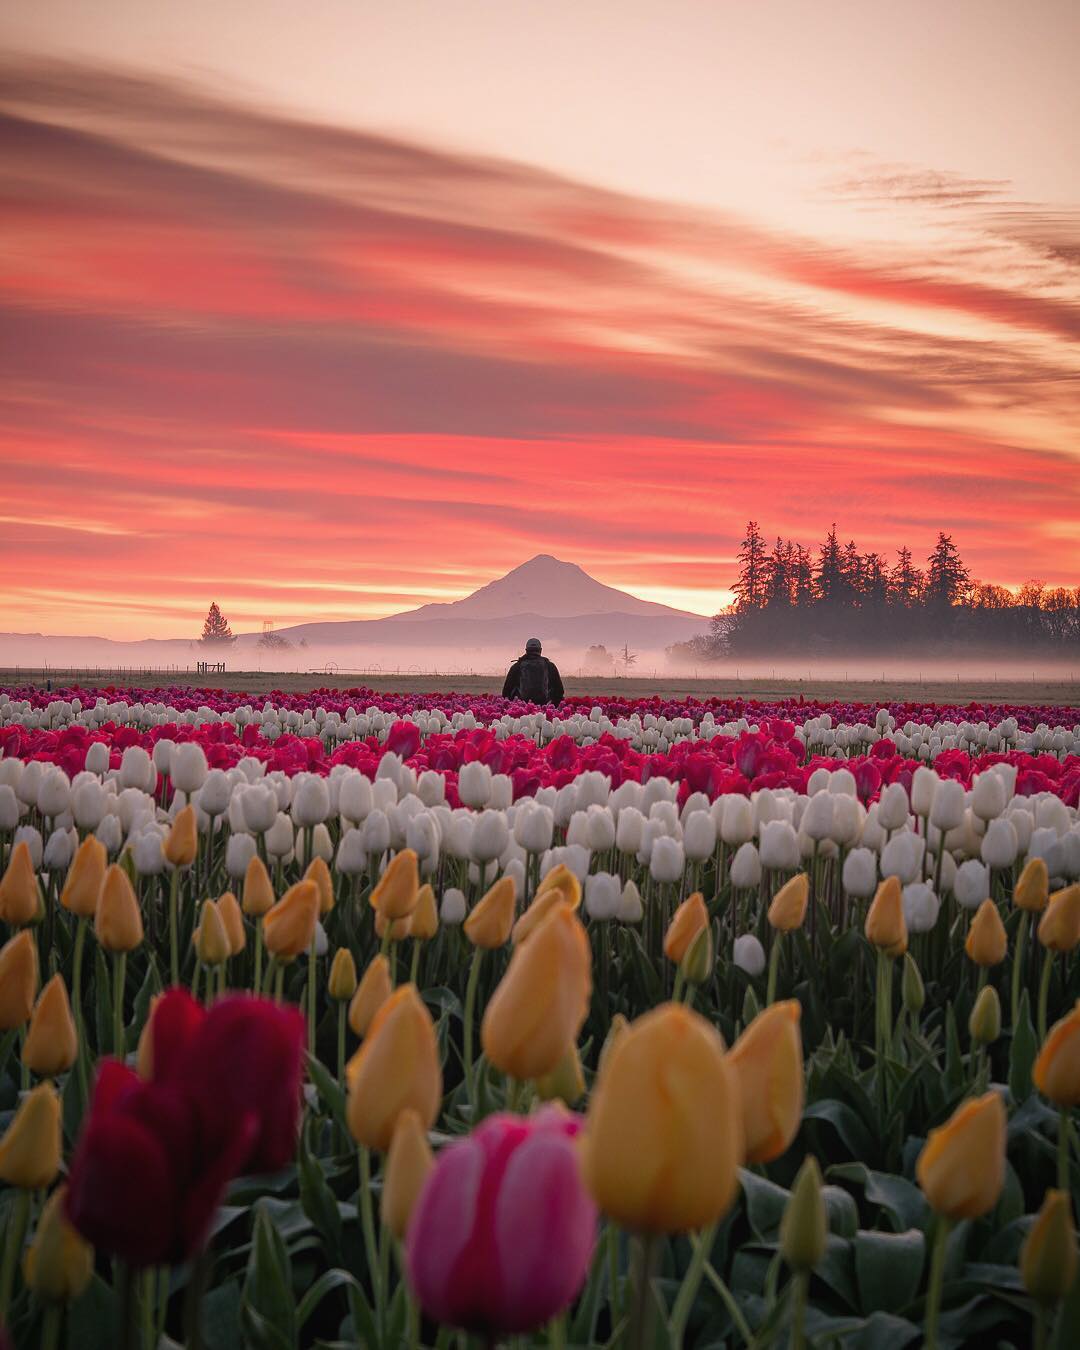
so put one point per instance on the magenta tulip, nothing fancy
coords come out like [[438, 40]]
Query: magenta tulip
[[503, 1232]]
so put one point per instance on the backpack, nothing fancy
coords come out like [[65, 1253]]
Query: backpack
[[534, 680]]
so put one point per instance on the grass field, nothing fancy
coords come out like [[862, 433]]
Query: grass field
[[1064, 693]]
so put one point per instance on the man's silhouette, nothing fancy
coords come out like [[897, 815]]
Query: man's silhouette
[[533, 677]]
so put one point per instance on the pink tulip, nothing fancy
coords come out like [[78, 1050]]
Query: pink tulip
[[503, 1232]]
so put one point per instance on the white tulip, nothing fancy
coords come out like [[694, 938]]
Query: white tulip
[[97, 758], [259, 807], [279, 837], [239, 851], [921, 907], [817, 818], [311, 800], [667, 860], [599, 829], [534, 827], [737, 825], [923, 789], [630, 909], [949, 805], [515, 870], [779, 846], [59, 850], [603, 892], [351, 854], [577, 832], [431, 787], [54, 794], [749, 955], [322, 944], [452, 909], [474, 784], [9, 806], [848, 816], [999, 844], [162, 755], [699, 836], [860, 873], [135, 768], [422, 836], [988, 795], [902, 856], [490, 836], [354, 798], [88, 805], [188, 768], [745, 870], [111, 834], [629, 830], [146, 853], [1051, 813], [893, 807], [971, 885], [31, 837]]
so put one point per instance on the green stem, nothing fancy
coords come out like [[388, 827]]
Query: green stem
[[414, 965], [384, 1282], [50, 1326], [470, 1006], [367, 1220], [311, 999], [76, 994], [279, 984], [1044, 991], [801, 1287], [611, 1239], [734, 1311], [148, 1308], [256, 983], [119, 972], [774, 967], [684, 1299], [13, 1245], [198, 1279], [937, 1275], [1064, 1133], [641, 1317], [557, 1332], [174, 933], [1039, 1340], [126, 1304], [676, 993], [1018, 961]]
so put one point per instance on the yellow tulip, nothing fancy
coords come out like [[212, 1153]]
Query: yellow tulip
[[289, 927], [1059, 927], [545, 904], [618, 1027], [687, 922], [319, 873], [560, 878], [18, 979], [372, 992], [51, 1043], [341, 984], [182, 842], [118, 924], [258, 890], [396, 892], [425, 917], [232, 920], [397, 1067], [20, 894], [987, 942], [663, 1139], [59, 1263], [210, 938], [1056, 1072], [490, 920], [885, 927], [1032, 889], [144, 1054], [1048, 1258], [767, 1060], [541, 1001], [961, 1168], [396, 930], [85, 878], [407, 1167], [566, 1082], [788, 908], [30, 1149]]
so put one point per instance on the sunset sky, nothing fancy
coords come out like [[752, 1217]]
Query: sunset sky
[[329, 310]]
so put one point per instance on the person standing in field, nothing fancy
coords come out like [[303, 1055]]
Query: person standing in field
[[533, 677]]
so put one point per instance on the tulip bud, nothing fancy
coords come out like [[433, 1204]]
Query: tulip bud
[[745, 871], [118, 924], [210, 940], [565, 1082], [697, 963], [885, 927], [85, 878], [1056, 1072], [396, 1067], [341, 984], [30, 1148], [258, 890], [560, 878], [663, 1140], [51, 1043], [407, 1166], [233, 922], [630, 908], [183, 840], [788, 908], [987, 942], [618, 1025], [768, 1064], [859, 874], [397, 891], [1059, 927], [319, 873], [20, 894], [18, 979], [961, 1168], [751, 1008], [804, 1228], [492, 918], [59, 1263], [1032, 889], [984, 1023], [540, 1003], [424, 920], [687, 922], [748, 954], [288, 928], [912, 988], [1048, 1258], [371, 993]]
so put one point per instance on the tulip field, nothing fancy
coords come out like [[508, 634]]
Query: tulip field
[[347, 1019]]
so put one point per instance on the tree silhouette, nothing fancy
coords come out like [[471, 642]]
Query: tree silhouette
[[753, 562], [216, 631], [946, 575]]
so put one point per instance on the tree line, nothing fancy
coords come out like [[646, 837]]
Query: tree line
[[792, 598]]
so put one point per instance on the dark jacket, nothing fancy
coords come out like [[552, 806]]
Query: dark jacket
[[512, 683]]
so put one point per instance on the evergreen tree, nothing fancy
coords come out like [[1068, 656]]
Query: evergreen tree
[[777, 575], [875, 579], [216, 631], [946, 575], [830, 570], [803, 577], [905, 580], [852, 571], [750, 586]]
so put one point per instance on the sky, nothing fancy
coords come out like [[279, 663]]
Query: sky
[[328, 311]]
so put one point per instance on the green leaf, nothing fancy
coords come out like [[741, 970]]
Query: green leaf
[[1022, 1052], [765, 1204], [882, 1331], [103, 1012], [269, 1306], [327, 1283], [220, 1317], [901, 1200], [330, 1089], [856, 1138], [150, 986], [91, 1321], [841, 1211], [889, 1267], [319, 1202]]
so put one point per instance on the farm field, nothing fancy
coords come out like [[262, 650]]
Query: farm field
[[335, 1019]]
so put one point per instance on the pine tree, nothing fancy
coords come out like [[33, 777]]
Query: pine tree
[[803, 577], [905, 580], [946, 575], [216, 631], [749, 588], [853, 574], [830, 570], [778, 576]]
